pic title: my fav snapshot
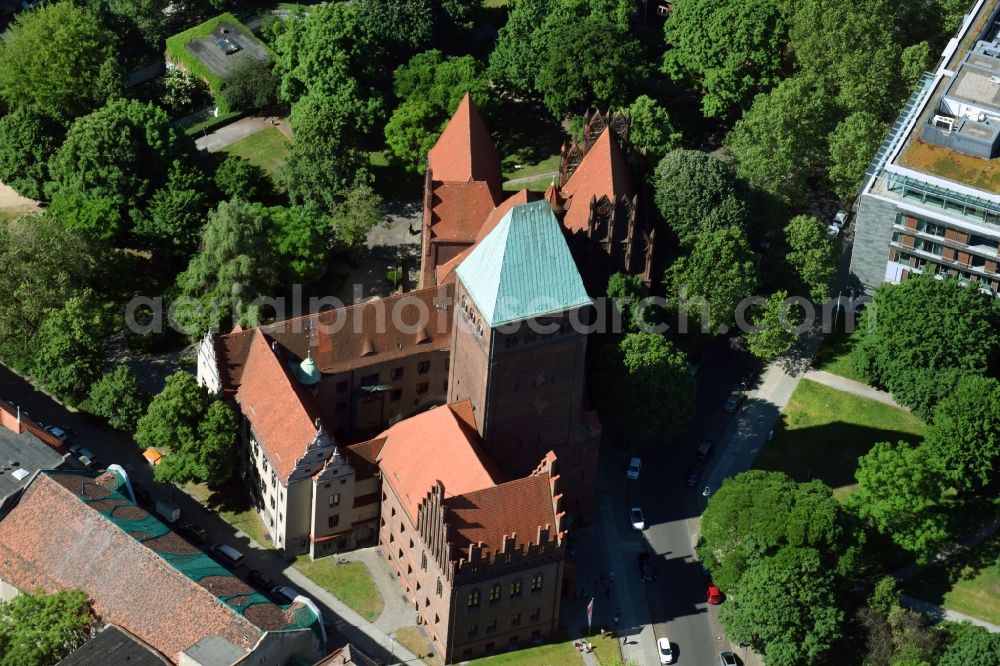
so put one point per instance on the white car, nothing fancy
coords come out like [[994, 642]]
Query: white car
[[636, 518], [666, 652], [634, 466]]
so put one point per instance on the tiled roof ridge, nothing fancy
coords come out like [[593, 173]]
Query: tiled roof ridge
[[160, 561]]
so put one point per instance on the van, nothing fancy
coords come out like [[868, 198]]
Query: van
[[229, 555], [168, 510]]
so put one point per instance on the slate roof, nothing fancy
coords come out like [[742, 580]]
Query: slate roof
[[603, 172], [139, 575], [488, 515], [21, 449], [282, 413], [351, 337], [465, 152], [523, 268], [436, 445], [113, 646]]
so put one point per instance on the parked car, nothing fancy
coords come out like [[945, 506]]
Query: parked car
[[715, 595], [634, 466], [734, 401], [666, 650], [728, 659], [141, 494], [694, 473], [646, 571], [261, 579], [58, 433], [194, 532], [229, 555], [840, 219], [81, 452], [285, 593], [706, 449], [636, 518]]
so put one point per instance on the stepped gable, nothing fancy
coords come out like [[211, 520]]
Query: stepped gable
[[603, 172]]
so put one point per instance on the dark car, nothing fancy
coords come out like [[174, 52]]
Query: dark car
[[728, 659], [261, 579], [733, 401], [706, 449], [694, 474], [192, 531], [646, 568], [142, 495]]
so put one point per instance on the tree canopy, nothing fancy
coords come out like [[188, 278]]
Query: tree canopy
[[626, 293], [775, 324], [249, 85], [27, 140], [118, 398], [176, 213], [68, 353], [648, 388], [811, 255], [852, 145], [729, 51], [651, 129], [195, 433], [713, 279], [965, 433], [58, 60], [697, 192], [914, 332], [971, 645], [38, 629]]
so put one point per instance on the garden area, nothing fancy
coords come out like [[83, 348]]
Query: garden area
[[823, 431], [232, 502], [267, 149], [351, 583]]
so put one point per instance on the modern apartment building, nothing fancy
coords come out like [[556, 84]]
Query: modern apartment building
[[930, 202]]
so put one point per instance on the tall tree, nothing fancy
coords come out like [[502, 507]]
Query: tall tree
[[650, 366], [811, 255], [195, 432], [714, 279], [729, 50], [971, 645], [404, 26], [299, 239], [786, 609], [235, 265], [757, 513], [852, 146], [249, 85], [40, 629], [326, 159], [696, 192], [627, 294], [780, 143], [514, 59], [118, 398], [68, 353], [651, 129], [27, 140], [775, 324], [355, 216], [121, 153], [176, 213], [965, 433], [57, 60], [899, 492], [35, 278], [915, 332]]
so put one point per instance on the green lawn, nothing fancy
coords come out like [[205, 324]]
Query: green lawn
[[267, 148], [550, 654], [414, 640], [232, 502], [970, 584], [547, 165], [823, 431], [834, 356], [539, 185], [351, 583]]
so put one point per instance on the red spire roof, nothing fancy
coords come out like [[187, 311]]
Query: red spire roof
[[603, 172], [464, 152]]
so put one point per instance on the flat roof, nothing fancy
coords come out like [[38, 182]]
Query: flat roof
[[23, 452]]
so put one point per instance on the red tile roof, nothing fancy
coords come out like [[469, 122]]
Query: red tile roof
[[437, 445], [603, 172], [340, 338], [8, 419], [129, 584], [281, 412], [458, 210], [445, 272], [517, 507], [464, 152]]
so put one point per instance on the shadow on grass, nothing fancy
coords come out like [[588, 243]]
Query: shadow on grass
[[934, 583], [392, 181], [525, 133], [231, 497]]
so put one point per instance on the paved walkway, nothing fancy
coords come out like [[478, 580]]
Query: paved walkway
[[938, 613], [396, 610], [239, 130], [850, 386], [520, 180]]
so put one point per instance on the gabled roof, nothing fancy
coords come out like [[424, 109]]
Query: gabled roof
[[281, 412], [437, 445], [464, 152], [486, 516], [445, 272], [79, 530], [339, 339], [603, 172], [458, 210], [523, 268], [113, 645]]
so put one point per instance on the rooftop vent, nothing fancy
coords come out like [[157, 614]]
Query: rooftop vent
[[995, 79], [20, 473]]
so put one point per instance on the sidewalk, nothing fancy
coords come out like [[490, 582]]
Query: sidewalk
[[938, 613], [237, 131]]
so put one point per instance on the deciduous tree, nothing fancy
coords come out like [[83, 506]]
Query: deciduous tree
[[811, 255], [627, 294], [37, 629], [971, 645], [651, 128], [354, 217], [118, 398], [250, 85], [57, 60], [852, 146], [404, 25], [775, 323], [696, 192], [67, 353], [27, 140], [239, 177], [965, 433], [176, 213], [729, 50]]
